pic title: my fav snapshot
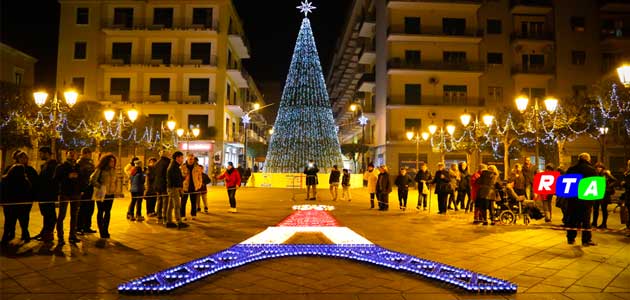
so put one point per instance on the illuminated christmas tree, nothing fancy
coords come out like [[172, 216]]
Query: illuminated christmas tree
[[304, 129]]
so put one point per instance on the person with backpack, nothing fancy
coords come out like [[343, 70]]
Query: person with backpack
[[137, 179]]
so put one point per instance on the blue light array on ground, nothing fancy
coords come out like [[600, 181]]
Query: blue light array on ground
[[241, 254]]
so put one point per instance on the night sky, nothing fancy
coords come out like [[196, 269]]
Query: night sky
[[270, 26]]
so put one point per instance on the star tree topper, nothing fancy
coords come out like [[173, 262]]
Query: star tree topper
[[306, 7]]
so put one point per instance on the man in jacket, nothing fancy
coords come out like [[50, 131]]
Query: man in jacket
[[423, 177], [371, 176], [333, 181], [311, 179], [232, 182], [48, 195], [383, 188], [159, 185], [174, 187], [86, 208], [68, 176], [193, 180], [579, 211]]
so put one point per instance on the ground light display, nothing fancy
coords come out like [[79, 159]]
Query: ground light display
[[345, 244], [304, 129]]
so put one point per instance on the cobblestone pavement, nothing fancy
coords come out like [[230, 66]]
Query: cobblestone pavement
[[536, 257]]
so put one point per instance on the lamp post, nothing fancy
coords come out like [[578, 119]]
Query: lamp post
[[551, 104], [192, 133], [56, 106], [246, 120], [110, 114], [624, 74], [415, 135]]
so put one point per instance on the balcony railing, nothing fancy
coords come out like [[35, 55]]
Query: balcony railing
[[173, 60], [442, 1], [543, 36], [148, 98], [397, 63], [366, 78], [615, 33], [440, 101], [533, 69], [436, 31], [530, 2], [147, 24]]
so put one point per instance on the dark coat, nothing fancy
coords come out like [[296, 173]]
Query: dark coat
[[464, 183], [403, 182], [311, 175], [150, 180], [334, 176], [68, 177], [137, 181], [86, 167], [487, 185], [383, 185], [345, 180], [174, 178], [48, 188], [16, 187], [442, 182], [582, 167], [160, 168]]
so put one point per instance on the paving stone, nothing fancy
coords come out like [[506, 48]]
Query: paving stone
[[581, 289], [592, 296], [600, 277]]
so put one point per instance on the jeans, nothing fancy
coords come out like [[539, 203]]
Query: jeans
[[151, 201], [162, 205], [451, 200], [174, 201], [308, 191], [422, 199], [193, 204], [74, 215], [372, 195], [86, 211], [461, 199], [136, 202], [203, 197], [546, 204], [442, 202], [603, 204], [579, 215], [232, 196], [49, 215], [334, 190], [103, 215], [383, 201], [346, 192], [485, 207], [402, 197]]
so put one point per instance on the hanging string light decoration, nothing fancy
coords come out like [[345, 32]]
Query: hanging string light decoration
[[304, 129]]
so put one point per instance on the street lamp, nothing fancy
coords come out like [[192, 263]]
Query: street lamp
[[110, 114], [192, 133], [624, 74], [414, 136], [551, 104], [246, 120], [55, 108]]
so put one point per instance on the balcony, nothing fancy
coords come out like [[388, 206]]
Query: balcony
[[239, 76], [614, 5], [465, 5], [366, 83], [109, 26], [547, 71], [615, 39], [396, 33], [240, 44], [162, 98], [367, 56], [532, 37], [530, 7], [368, 24], [398, 101], [397, 65], [150, 61]]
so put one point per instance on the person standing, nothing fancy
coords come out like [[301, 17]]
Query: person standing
[[463, 187], [371, 176], [86, 208], [68, 176], [232, 183], [529, 170], [192, 184], [625, 183], [203, 193], [333, 181], [516, 176], [246, 174], [453, 175], [423, 177], [383, 188], [487, 194], [159, 185], [610, 190], [474, 193], [137, 177], [345, 185], [48, 195], [547, 199], [579, 211], [150, 195], [105, 185], [17, 193], [403, 181], [442, 183], [241, 171], [174, 186], [311, 171]]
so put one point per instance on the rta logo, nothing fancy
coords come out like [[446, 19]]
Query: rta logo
[[570, 185]]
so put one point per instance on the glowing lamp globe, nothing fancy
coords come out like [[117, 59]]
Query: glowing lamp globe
[[353, 107], [425, 135], [410, 135], [256, 106], [180, 132], [551, 104], [465, 118], [196, 131], [521, 103], [132, 114], [170, 124], [109, 115], [40, 98], [488, 119], [624, 74], [71, 97], [450, 129], [432, 128]]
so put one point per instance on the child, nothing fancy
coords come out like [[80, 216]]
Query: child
[[345, 184]]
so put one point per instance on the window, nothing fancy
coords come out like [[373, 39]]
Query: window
[[413, 124], [80, 50], [199, 87], [412, 25], [120, 86], [579, 91], [534, 93], [413, 94], [163, 17], [578, 24], [19, 77], [412, 57], [533, 62], [122, 52], [202, 52], [495, 93], [495, 58], [202, 17], [532, 29], [160, 87], [451, 26], [78, 83], [228, 93], [455, 94], [202, 121], [229, 60], [157, 120], [493, 26], [83, 16], [578, 57], [453, 57], [123, 17], [161, 53]]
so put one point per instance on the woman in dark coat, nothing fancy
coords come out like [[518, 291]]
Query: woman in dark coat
[[487, 193], [403, 181], [16, 190], [442, 187], [383, 188]]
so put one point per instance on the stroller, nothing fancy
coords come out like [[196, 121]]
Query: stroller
[[509, 208]]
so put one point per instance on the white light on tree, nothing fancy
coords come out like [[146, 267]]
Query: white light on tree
[[246, 119], [363, 120], [306, 8]]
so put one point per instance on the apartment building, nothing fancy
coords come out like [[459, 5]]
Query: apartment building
[[169, 59], [413, 63]]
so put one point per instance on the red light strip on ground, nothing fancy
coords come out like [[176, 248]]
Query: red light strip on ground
[[309, 218]]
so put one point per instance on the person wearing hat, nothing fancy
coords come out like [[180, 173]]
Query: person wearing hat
[[371, 176], [232, 182], [86, 208], [48, 194]]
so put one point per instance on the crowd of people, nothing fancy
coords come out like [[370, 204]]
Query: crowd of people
[[168, 185]]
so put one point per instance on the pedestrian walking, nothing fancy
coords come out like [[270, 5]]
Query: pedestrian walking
[[371, 177], [311, 171], [383, 188], [423, 178], [48, 194], [137, 176], [454, 177], [579, 211], [86, 207], [443, 186], [232, 183], [193, 181], [68, 176], [159, 185], [17, 197], [610, 190], [403, 181], [345, 185], [105, 186], [474, 192], [463, 187], [174, 187], [333, 181], [150, 195]]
